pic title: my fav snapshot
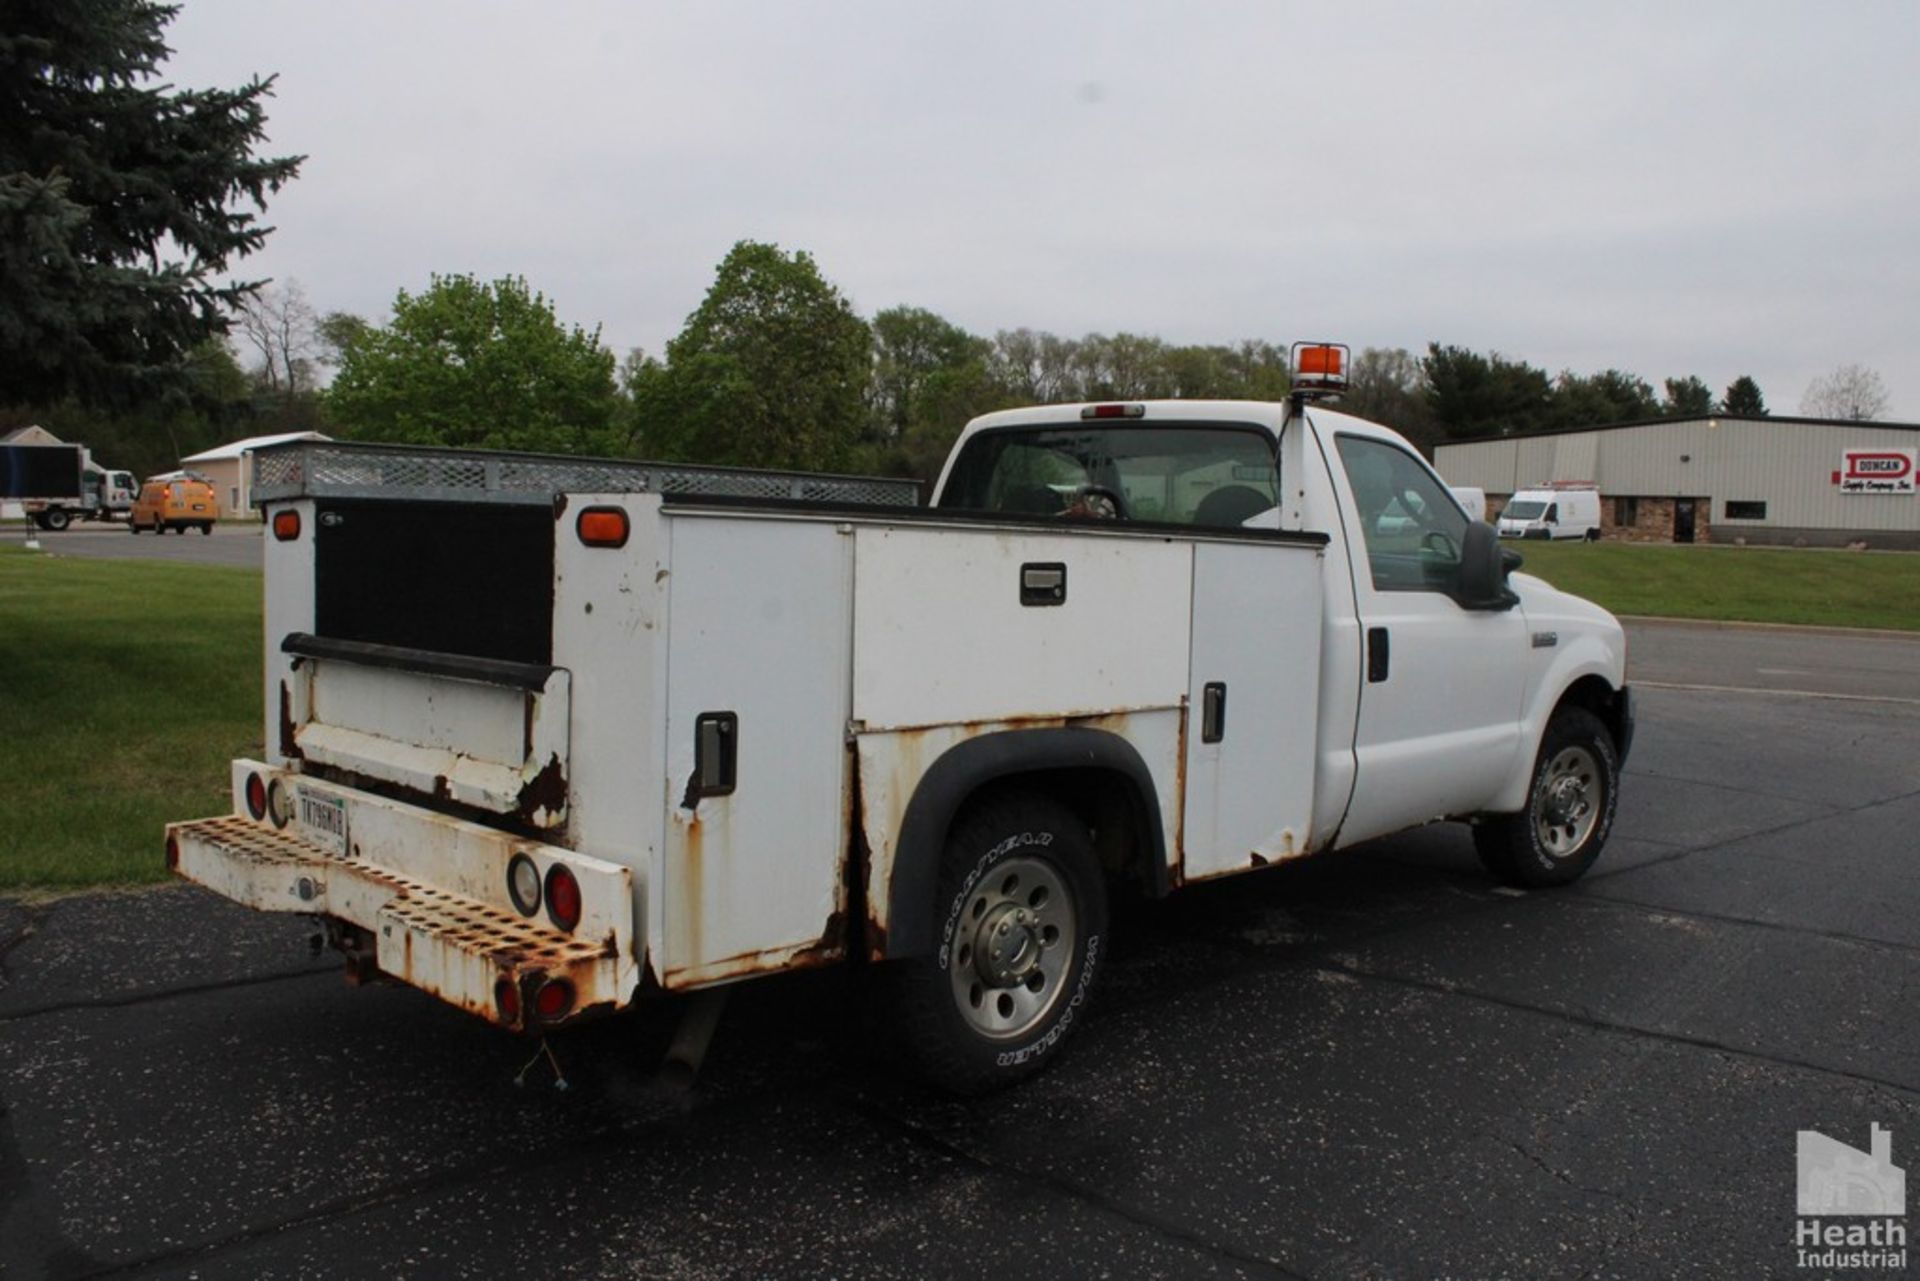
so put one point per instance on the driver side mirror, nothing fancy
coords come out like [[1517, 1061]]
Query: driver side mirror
[[1484, 566]]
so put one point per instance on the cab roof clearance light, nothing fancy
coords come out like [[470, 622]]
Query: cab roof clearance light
[[1320, 368]]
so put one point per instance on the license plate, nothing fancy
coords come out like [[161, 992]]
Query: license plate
[[323, 820]]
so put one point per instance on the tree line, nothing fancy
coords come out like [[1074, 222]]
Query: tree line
[[774, 368]]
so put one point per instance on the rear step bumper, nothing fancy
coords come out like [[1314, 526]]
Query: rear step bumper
[[457, 947]]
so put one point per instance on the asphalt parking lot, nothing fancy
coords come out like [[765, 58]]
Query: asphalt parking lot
[[1376, 1064], [229, 544]]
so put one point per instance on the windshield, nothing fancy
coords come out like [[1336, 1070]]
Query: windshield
[[1218, 476], [1526, 509]]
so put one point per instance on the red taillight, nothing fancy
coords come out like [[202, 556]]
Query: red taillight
[[173, 854], [553, 1001], [602, 527], [286, 525], [256, 797], [166, 491], [506, 999], [563, 897]]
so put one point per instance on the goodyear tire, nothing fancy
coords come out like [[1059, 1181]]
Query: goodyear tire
[[1022, 920], [1570, 804]]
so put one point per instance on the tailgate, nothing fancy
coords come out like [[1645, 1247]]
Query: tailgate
[[488, 734]]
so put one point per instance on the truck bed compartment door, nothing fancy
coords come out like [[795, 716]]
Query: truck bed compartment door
[[1254, 691], [757, 763]]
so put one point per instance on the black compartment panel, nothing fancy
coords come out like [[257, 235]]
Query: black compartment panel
[[454, 578]]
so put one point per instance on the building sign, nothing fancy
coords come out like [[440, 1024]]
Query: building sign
[[1876, 471]]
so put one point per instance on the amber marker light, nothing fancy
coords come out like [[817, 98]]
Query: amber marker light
[[602, 527]]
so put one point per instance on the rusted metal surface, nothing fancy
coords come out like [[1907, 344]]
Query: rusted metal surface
[[545, 794], [477, 744], [891, 764], [692, 886], [746, 879], [289, 730], [871, 941], [390, 924]]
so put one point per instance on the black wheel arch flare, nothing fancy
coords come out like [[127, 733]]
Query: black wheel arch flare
[[963, 770]]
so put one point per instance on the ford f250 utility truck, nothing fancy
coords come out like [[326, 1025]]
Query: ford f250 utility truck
[[547, 736]]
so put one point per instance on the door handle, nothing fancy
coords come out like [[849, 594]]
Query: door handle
[[1213, 712], [1378, 653]]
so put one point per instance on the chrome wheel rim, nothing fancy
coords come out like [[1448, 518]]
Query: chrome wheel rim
[[1015, 942], [1568, 806]]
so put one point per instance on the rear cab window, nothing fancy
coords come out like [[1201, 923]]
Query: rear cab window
[[1214, 475]]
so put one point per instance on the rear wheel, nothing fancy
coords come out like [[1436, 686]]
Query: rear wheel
[[1023, 913], [206, 527], [56, 519], [1569, 812]]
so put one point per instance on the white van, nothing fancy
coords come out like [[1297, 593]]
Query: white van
[[1552, 513], [1472, 500]]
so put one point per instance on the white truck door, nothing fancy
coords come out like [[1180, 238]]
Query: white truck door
[[1442, 687], [1252, 706]]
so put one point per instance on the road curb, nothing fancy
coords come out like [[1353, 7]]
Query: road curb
[[1792, 629]]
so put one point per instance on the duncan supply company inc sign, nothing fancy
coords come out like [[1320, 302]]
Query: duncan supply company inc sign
[[1876, 471]]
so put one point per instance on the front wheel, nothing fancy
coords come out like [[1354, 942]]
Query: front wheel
[[1556, 838], [206, 527], [1023, 918]]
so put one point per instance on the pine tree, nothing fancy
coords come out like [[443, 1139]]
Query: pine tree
[[122, 203]]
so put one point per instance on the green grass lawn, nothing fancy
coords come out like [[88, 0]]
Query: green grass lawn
[[125, 688], [1745, 584]]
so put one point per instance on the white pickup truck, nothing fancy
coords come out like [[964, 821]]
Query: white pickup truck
[[548, 736]]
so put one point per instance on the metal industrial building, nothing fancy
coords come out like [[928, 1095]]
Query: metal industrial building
[[1797, 481]]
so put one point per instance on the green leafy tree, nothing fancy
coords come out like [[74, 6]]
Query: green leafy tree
[[1743, 398], [913, 350], [479, 365], [1687, 398], [770, 371], [1609, 396], [122, 203], [216, 406], [1390, 386], [1475, 395], [1035, 367]]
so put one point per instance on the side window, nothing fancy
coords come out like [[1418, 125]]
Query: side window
[[1412, 526]]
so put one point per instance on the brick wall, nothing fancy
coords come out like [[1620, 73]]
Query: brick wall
[[1653, 520]]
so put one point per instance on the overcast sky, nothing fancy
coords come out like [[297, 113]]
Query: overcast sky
[[1670, 189]]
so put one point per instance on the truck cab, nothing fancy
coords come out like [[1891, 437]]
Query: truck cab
[[546, 737]]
